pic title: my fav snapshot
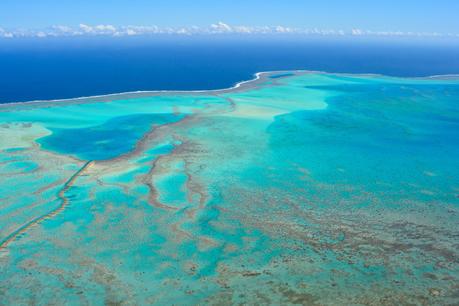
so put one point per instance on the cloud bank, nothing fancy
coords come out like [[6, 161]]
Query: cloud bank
[[217, 28]]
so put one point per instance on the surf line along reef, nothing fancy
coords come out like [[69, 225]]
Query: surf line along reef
[[296, 187]]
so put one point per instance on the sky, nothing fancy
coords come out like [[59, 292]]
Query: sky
[[441, 16]]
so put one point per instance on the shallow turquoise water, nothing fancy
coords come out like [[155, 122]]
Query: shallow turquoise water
[[315, 189]]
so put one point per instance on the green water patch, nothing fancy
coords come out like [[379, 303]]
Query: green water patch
[[111, 139]]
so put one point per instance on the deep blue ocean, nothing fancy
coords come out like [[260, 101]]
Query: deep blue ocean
[[57, 68]]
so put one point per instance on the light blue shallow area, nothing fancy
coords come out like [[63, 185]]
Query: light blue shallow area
[[308, 188]]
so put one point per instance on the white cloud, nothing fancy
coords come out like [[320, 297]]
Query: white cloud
[[217, 28], [5, 34], [41, 34], [62, 29], [86, 29], [221, 27], [281, 29]]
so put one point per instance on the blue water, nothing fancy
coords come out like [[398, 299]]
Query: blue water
[[280, 75], [115, 137], [32, 69], [386, 132], [310, 189]]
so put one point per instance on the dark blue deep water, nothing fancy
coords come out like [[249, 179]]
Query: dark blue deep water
[[55, 68], [113, 138]]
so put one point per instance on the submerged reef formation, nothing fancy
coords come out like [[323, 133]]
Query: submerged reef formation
[[294, 188]]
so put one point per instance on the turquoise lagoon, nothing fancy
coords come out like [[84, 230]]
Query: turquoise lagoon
[[295, 188]]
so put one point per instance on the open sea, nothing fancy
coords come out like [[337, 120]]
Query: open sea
[[58, 68]]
